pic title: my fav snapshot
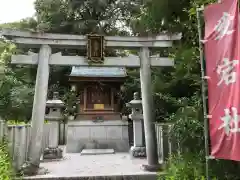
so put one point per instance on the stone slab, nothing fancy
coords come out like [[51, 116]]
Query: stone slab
[[108, 166], [111, 134], [97, 151], [76, 146], [84, 123]]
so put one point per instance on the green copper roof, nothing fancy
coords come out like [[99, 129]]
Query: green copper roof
[[81, 71]]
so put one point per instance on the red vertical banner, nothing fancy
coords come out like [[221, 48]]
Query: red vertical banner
[[221, 47]]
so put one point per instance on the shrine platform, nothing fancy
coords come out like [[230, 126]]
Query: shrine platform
[[119, 166]]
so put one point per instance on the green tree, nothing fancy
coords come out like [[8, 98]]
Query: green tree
[[83, 17], [29, 24], [16, 87], [16, 82]]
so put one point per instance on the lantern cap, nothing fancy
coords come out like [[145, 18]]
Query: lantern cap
[[136, 102], [55, 102]]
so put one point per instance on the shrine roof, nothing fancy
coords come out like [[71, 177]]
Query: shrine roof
[[80, 71]]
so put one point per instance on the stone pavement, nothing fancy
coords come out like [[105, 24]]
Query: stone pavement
[[109, 166]]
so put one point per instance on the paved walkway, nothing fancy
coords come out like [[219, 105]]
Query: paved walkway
[[89, 166]]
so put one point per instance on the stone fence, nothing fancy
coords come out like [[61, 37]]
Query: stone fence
[[18, 137], [165, 144]]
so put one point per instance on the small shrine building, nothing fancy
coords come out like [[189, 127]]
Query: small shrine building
[[98, 124], [98, 89]]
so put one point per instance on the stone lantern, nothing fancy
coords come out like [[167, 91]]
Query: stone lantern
[[138, 149], [54, 116]]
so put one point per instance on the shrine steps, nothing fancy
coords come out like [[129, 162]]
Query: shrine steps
[[97, 151]]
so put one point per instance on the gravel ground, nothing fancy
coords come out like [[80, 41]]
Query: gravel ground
[[109, 165]]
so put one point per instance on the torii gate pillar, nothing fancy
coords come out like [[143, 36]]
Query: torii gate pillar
[[39, 105], [148, 111]]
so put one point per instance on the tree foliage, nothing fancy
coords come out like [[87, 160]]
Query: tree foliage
[[16, 87], [83, 17]]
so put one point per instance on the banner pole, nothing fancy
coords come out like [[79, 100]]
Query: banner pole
[[203, 93]]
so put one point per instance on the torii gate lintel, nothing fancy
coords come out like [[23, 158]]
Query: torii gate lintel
[[58, 59]]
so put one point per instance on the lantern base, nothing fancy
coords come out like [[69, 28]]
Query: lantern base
[[152, 168], [53, 153], [138, 152]]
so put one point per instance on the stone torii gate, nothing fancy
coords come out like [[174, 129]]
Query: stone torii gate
[[45, 42]]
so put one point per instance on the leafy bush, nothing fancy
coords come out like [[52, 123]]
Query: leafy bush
[[185, 167], [15, 122], [224, 169], [6, 169], [188, 129]]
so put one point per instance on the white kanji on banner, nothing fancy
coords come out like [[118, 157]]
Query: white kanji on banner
[[228, 119], [223, 26], [226, 73]]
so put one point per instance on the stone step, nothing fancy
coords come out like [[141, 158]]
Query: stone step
[[97, 151], [108, 177]]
